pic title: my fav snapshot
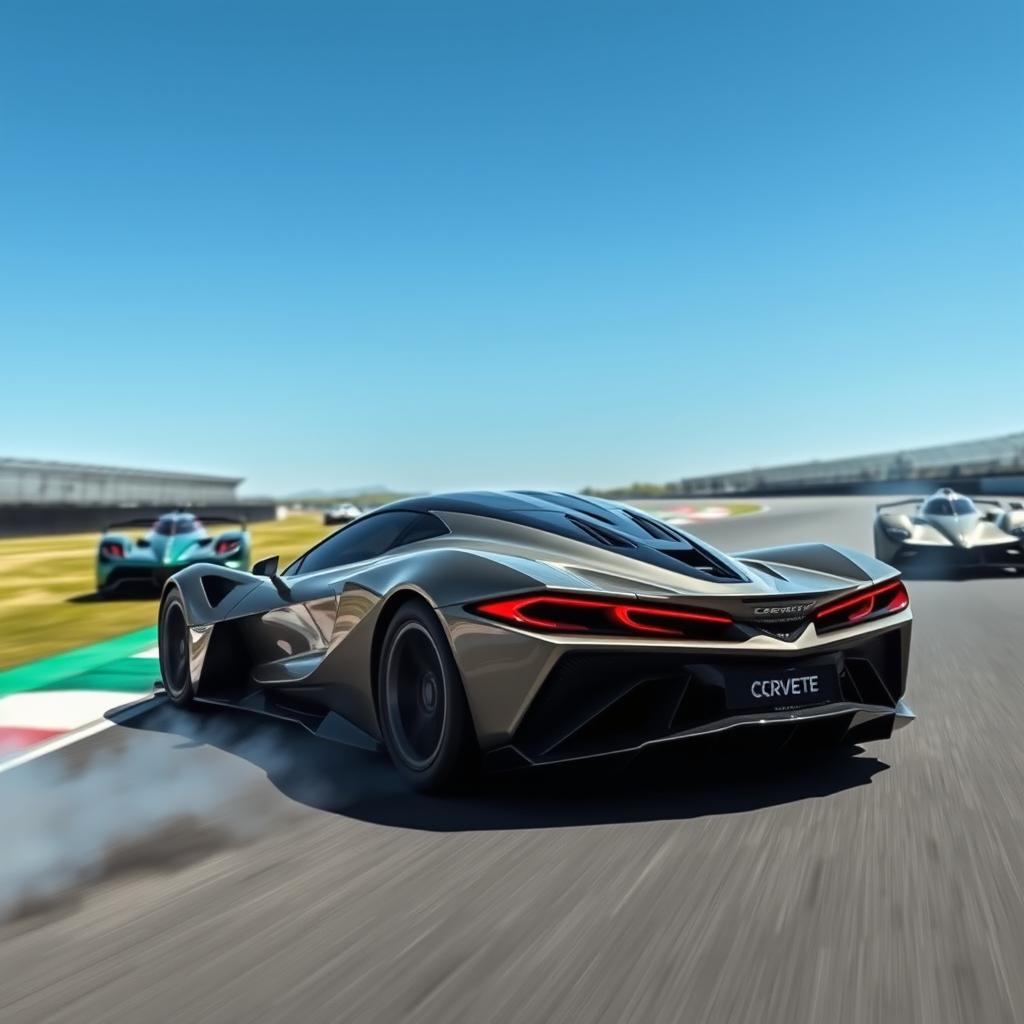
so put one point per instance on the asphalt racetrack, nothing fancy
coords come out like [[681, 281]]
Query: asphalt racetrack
[[227, 868]]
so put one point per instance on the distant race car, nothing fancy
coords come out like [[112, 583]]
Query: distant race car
[[175, 540], [533, 628], [951, 530], [342, 513]]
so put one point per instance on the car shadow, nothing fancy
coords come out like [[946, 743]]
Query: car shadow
[[341, 780]]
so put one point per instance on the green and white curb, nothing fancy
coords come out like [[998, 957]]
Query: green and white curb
[[48, 698]]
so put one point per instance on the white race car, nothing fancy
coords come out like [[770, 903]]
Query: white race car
[[344, 512], [951, 530]]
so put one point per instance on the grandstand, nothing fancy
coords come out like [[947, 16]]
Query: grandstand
[[990, 464], [63, 497], [30, 482]]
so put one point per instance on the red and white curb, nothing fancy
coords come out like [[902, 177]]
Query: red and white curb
[[689, 514], [65, 739], [27, 718]]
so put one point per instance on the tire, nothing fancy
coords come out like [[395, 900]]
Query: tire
[[173, 644], [424, 717]]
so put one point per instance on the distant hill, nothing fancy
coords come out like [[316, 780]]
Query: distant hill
[[322, 494]]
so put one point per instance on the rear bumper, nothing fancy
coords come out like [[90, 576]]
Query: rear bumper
[[829, 725], [594, 704]]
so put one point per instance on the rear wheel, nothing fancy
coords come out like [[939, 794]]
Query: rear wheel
[[424, 716], [174, 659]]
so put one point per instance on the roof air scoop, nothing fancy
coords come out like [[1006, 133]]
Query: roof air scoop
[[699, 558], [655, 528], [605, 537]]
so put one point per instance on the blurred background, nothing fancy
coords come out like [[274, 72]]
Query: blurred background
[[339, 246], [257, 257], [748, 265]]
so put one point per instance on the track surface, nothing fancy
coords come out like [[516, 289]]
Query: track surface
[[236, 870]]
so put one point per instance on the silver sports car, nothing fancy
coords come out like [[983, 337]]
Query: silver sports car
[[950, 530], [527, 628]]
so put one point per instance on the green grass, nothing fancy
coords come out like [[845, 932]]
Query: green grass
[[47, 583]]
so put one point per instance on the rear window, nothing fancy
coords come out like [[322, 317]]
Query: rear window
[[171, 526], [367, 538]]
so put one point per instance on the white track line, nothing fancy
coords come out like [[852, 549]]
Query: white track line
[[60, 710], [125, 714]]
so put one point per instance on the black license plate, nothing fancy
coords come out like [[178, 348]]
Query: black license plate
[[776, 689]]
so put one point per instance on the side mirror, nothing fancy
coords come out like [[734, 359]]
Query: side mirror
[[267, 566]]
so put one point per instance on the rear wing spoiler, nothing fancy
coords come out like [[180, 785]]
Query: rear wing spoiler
[[150, 520], [896, 504], [240, 520], [1015, 505]]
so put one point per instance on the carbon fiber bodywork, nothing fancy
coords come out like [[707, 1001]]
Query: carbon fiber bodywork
[[307, 645]]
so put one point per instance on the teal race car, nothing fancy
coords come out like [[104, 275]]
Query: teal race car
[[175, 540]]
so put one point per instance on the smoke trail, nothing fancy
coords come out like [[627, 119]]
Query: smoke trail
[[67, 820]]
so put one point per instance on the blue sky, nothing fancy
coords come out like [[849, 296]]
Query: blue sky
[[505, 244]]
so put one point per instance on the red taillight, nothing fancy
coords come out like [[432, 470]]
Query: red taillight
[[872, 603], [111, 549], [224, 546], [553, 613]]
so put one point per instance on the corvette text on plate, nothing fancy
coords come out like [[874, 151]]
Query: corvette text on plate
[[792, 687]]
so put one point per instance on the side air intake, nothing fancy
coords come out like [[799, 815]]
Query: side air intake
[[216, 589]]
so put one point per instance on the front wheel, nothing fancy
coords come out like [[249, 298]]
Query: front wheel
[[174, 660], [424, 716]]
